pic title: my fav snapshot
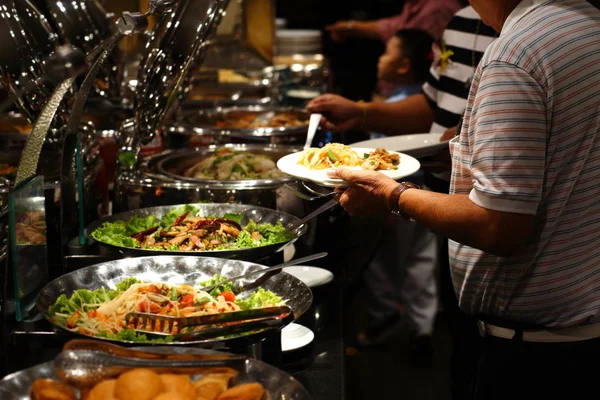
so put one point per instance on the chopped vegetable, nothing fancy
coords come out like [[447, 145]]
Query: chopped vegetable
[[332, 156], [181, 229], [260, 298], [228, 296]]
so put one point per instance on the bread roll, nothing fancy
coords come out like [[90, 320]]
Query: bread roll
[[138, 384], [211, 386], [104, 390], [249, 391], [48, 389], [178, 383]]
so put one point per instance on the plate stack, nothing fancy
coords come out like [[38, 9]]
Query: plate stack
[[297, 41]]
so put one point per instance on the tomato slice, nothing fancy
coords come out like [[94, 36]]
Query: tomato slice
[[148, 306], [187, 300], [228, 296]]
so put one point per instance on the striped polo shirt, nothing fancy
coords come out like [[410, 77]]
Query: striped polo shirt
[[468, 38], [530, 144]]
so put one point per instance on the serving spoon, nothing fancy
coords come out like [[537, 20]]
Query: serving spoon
[[267, 272], [313, 125]]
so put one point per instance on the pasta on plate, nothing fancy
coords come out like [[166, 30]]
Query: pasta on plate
[[334, 155]]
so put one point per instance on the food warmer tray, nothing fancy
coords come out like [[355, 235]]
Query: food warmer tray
[[278, 384]]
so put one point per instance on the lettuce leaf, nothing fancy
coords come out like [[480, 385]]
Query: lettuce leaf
[[223, 285], [86, 300], [132, 336], [271, 233], [258, 299], [169, 218], [119, 233], [234, 217]]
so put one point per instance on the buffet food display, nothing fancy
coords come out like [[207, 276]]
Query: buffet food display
[[252, 120], [159, 376], [184, 229], [233, 165], [96, 301], [209, 208], [218, 230], [144, 383], [101, 313]]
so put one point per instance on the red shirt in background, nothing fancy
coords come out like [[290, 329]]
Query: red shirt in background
[[431, 16]]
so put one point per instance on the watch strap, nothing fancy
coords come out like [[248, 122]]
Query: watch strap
[[394, 200]]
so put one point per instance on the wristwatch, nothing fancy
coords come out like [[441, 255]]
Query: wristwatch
[[394, 199]]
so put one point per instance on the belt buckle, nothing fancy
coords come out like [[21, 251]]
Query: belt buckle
[[482, 328]]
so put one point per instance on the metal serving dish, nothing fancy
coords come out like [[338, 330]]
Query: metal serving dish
[[174, 270], [258, 214], [278, 384], [207, 121], [176, 163]]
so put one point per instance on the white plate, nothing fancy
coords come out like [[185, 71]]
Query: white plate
[[295, 336], [417, 145], [311, 276], [289, 165]]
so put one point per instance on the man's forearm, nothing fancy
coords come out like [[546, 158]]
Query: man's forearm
[[458, 218], [411, 115], [365, 29]]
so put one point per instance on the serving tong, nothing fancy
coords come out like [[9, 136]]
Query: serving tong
[[158, 324], [85, 368]]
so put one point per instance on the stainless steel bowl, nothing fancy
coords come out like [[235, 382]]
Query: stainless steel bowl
[[173, 270], [278, 384], [173, 164], [207, 121]]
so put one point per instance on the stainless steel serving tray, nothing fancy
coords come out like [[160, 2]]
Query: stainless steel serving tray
[[260, 215], [206, 120], [278, 384], [173, 270], [173, 164]]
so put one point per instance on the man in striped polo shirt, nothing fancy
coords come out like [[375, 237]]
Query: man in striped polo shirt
[[524, 204], [437, 109]]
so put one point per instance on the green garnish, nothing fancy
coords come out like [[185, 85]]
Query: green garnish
[[332, 156]]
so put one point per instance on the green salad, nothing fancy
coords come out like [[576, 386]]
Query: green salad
[[101, 312], [182, 229]]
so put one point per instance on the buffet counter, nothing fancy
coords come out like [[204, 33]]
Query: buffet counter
[[324, 378], [319, 367]]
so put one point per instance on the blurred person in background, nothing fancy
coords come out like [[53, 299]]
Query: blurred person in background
[[431, 16], [438, 109], [398, 263]]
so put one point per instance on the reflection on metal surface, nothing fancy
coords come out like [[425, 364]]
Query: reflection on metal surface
[[26, 39], [278, 384], [259, 215], [173, 270], [176, 44], [221, 122], [173, 164], [85, 24]]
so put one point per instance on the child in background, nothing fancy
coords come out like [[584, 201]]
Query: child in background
[[405, 65], [399, 280]]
